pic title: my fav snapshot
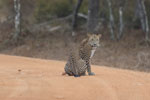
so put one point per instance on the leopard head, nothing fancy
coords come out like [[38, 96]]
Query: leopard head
[[94, 39]]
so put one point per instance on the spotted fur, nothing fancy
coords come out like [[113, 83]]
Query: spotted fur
[[75, 65], [79, 61]]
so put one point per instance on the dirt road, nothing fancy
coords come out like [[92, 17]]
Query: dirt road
[[34, 79]]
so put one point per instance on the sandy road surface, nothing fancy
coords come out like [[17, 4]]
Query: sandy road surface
[[34, 79]]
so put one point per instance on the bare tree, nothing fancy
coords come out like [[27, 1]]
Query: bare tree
[[93, 12], [75, 15], [17, 21], [121, 23], [111, 18], [143, 17]]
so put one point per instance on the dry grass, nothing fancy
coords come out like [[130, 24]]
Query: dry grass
[[143, 60]]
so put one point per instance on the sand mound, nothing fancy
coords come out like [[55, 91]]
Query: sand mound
[[34, 79]]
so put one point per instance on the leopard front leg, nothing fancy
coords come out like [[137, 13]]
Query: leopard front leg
[[89, 68]]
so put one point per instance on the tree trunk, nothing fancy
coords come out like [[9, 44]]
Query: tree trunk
[[146, 21], [93, 12], [143, 18], [17, 20], [75, 15], [121, 23], [111, 20]]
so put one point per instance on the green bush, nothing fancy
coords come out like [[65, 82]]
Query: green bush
[[46, 9], [84, 7]]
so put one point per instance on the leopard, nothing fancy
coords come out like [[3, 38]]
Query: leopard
[[79, 60], [75, 66]]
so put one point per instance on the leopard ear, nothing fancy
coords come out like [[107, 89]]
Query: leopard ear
[[100, 35], [89, 34]]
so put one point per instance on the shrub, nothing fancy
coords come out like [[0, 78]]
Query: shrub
[[46, 9]]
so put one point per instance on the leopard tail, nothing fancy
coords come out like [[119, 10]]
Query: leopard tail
[[63, 73]]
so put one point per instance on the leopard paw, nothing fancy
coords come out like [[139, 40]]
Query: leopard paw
[[92, 73]]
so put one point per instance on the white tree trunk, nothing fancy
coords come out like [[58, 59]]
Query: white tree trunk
[[143, 18], [17, 20], [146, 21], [111, 20], [121, 24]]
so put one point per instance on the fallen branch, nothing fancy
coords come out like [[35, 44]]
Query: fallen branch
[[83, 15]]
